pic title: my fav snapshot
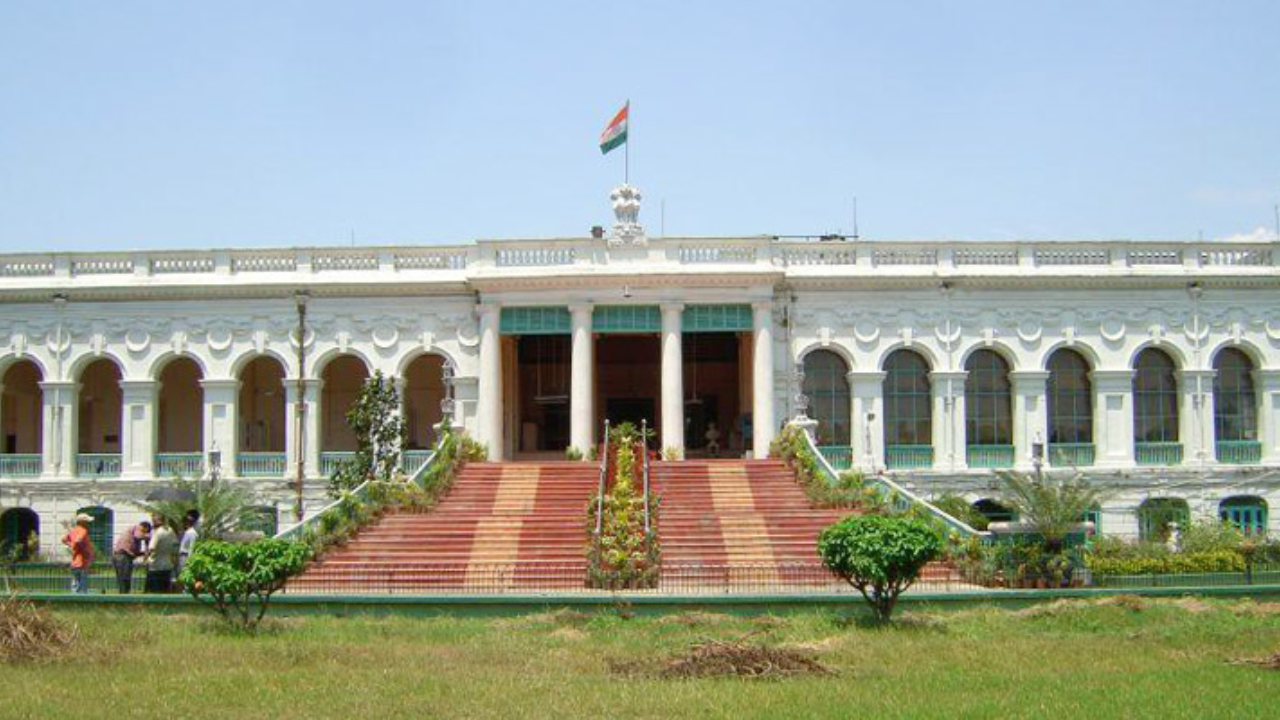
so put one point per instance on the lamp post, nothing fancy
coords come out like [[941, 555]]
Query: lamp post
[[300, 299]]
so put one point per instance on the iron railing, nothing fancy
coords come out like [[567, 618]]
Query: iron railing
[[18, 466], [989, 456], [261, 464], [98, 465], [1071, 454], [839, 456], [908, 457], [1239, 452], [1158, 453], [411, 460], [187, 465], [331, 461]]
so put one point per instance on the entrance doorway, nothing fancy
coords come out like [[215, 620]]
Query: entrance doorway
[[628, 379], [717, 406], [542, 387]]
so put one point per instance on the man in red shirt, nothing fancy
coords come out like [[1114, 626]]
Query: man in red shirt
[[82, 553]]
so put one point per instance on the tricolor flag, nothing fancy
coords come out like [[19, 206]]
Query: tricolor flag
[[616, 133]]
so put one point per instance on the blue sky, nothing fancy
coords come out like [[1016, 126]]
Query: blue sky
[[162, 124]]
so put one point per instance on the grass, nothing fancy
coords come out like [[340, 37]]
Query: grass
[[1101, 659]]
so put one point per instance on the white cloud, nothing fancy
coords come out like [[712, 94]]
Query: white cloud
[[1260, 234]]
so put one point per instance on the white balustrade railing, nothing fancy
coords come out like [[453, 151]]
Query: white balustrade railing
[[322, 261], [717, 253], [264, 262], [23, 267], [534, 257], [182, 264], [829, 253], [986, 256], [888, 256], [1235, 257], [431, 260], [1154, 257], [101, 266], [1072, 256]]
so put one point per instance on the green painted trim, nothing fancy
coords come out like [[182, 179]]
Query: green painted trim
[[542, 320], [716, 318], [626, 319]]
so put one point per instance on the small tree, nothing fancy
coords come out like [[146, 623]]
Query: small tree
[[224, 507], [237, 577], [380, 432], [1052, 507], [879, 555]]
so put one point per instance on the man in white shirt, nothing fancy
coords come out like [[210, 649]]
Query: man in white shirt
[[160, 556], [189, 537]]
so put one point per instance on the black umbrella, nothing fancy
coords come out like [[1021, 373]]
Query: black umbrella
[[171, 494]]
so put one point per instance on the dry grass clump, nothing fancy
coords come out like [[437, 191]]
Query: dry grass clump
[[719, 658], [1270, 662], [29, 633], [694, 618]]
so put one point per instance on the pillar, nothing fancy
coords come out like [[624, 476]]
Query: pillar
[[1267, 383], [672, 378], [1030, 418], [60, 434], [867, 388], [221, 421], [762, 414], [489, 410], [582, 416], [138, 429], [1113, 418], [948, 419], [1195, 416], [310, 438]]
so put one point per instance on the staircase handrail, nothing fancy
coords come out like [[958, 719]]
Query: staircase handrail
[[893, 489], [360, 492], [604, 477], [644, 439]]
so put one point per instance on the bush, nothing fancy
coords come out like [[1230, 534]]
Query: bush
[[1205, 562], [236, 577], [962, 510], [1210, 536], [880, 556]]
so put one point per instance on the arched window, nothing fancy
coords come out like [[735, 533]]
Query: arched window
[[993, 511], [344, 378], [1070, 397], [908, 411], [1155, 515], [21, 443], [1155, 410], [1235, 408], [100, 418], [988, 411], [20, 528], [180, 420], [1247, 513], [423, 393], [262, 419], [100, 529], [826, 382]]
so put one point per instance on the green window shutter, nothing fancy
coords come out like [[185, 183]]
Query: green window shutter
[[534, 321], [626, 319], [717, 318]]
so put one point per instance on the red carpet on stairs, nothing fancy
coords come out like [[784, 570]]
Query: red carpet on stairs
[[503, 526]]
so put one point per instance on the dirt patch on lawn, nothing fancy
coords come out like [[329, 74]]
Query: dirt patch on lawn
[[719, 658], [1270, 662], [28, 632], [695, 618], [1256, 609]]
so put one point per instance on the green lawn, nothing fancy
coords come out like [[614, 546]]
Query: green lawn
[[1074, 659]]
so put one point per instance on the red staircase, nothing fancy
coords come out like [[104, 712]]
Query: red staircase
[[503, 526]]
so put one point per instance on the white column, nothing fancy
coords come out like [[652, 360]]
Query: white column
[[310, 446], [489, 411], [1267, 383], [139, 427], [1030, 419], [762, 414], [1195, 416], [59, 432], [672, 378], [948, 419], [221, 421], [1113, 418], [867, 388], [582, 416]]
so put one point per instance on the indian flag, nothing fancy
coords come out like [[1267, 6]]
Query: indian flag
[[616, 133]]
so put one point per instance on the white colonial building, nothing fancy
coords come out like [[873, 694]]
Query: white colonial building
[[1152, 367]]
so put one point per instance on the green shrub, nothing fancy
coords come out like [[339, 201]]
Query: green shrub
[[237, 577], [962, 510], [1215, 561], [1210, 536], [572, 454], [881, 556]]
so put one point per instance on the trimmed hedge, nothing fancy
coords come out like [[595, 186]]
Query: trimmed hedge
[[1204, 562]]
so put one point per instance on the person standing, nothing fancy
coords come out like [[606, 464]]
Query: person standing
[[82, 553], [188, 542], [128, 547], [160, 556]]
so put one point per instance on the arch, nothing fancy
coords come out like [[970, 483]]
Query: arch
[[21, 426], [424, 391], [101, 407], [100, 530], [1156, 514], [908, 402], [1069, 398], [994, 510], [1248, 513], [1155, 397], [1235, 405], [1084, 350], [1174, 352], [180, 408], [1006, 353], [245, 358], [83, 362], [321, 362], [8, 360], [17, 525], [262, 405], [988, 394], [831, 347], [919, 348], [408, 358], [826, 383], [161, 363], [343, 377], [1251, 350]]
